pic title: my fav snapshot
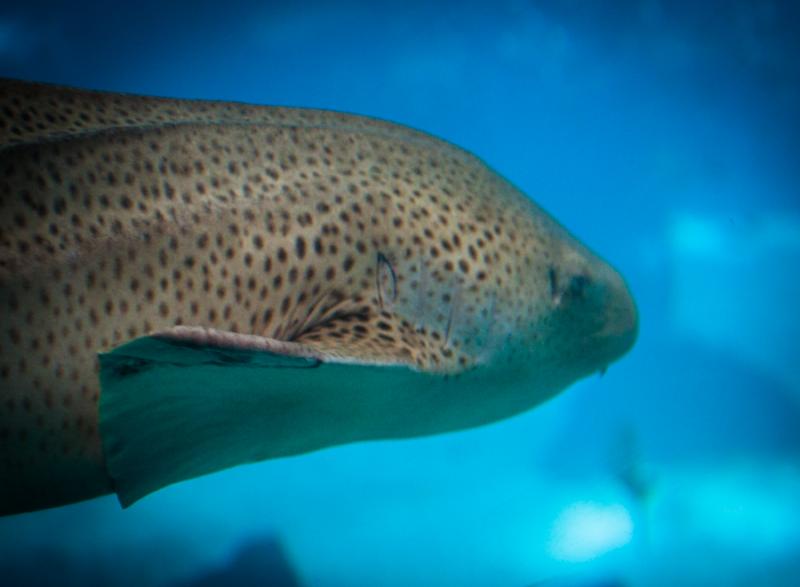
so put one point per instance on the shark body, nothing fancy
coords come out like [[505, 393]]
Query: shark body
[[425, 291]]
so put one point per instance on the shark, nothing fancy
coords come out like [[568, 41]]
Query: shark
[[186, 286]]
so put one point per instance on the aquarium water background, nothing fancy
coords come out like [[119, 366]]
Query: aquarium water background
[[662, 134]]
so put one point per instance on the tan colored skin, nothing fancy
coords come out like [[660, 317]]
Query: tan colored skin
[[122, 216]]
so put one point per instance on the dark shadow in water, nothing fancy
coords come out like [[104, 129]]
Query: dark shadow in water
[[50, 566], [259, 562], [262, 561]]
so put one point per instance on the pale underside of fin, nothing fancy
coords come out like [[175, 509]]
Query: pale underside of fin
[[192, 401]]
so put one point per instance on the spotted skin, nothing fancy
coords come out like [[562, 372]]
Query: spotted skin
[[122, 216]]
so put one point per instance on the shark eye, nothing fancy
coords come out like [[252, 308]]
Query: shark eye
[[573, 288], [578, 285], [387, 281]]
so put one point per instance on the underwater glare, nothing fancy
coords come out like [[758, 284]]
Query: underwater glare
[[585, 531], [516, 306]]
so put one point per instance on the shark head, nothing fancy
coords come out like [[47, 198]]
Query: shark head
[[589, 319], [491, 280]]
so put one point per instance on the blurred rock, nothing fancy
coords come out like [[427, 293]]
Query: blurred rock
[[260, 562]]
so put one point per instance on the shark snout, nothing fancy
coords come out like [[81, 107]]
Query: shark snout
[[621, 319], [599, 301]]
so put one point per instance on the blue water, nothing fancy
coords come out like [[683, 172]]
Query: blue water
[[664, 135]]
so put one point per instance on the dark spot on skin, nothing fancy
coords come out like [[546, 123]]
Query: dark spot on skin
[[347, 265]]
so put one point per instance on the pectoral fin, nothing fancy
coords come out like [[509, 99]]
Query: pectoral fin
[[192, 401], [189, 402]]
